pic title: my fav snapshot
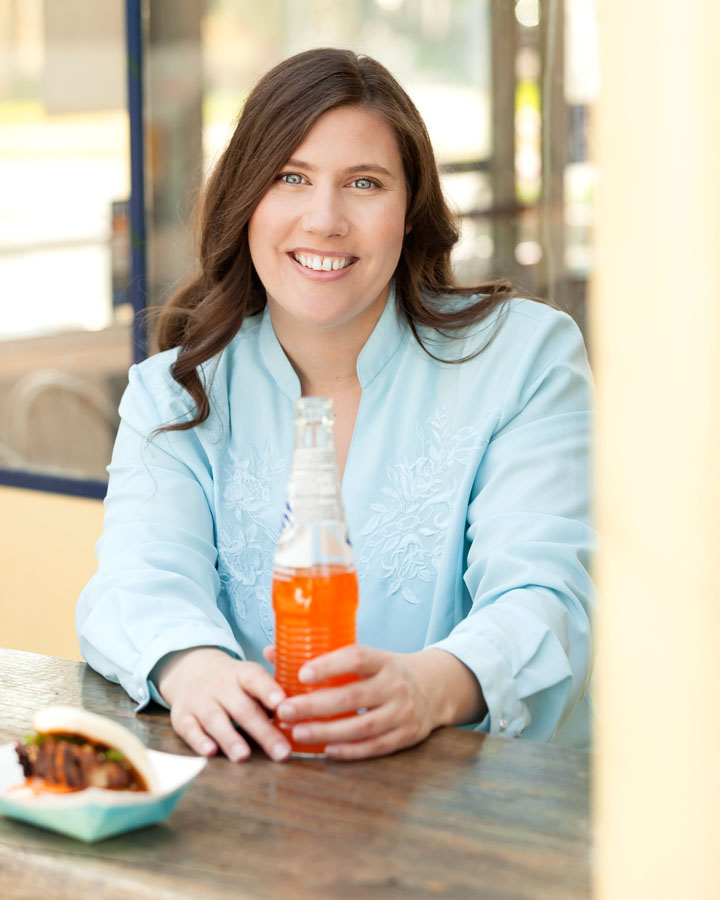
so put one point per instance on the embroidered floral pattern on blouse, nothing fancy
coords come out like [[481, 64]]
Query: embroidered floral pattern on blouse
[[246, 545], [405, 535]]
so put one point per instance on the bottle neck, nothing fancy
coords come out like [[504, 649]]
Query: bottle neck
[[314, 531], [314, 487], [315, 432]]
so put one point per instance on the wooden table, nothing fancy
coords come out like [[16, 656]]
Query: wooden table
[[461, 815]]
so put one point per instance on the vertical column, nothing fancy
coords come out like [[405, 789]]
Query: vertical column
[[174, 99], [554, 150], [502, 163], [655, 321]]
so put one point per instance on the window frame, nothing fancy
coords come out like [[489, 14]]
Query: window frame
[[95, 488]]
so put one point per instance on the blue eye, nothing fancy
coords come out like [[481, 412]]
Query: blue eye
[[364, 183], [292, 178]]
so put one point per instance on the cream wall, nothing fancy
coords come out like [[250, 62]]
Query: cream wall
[[46, 556], [656, 340]]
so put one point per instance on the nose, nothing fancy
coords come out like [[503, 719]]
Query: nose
[[325, 214]]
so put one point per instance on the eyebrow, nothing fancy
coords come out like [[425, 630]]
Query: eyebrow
[[350, 170]]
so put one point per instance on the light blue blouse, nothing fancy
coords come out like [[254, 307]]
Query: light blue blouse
[[466, 492]]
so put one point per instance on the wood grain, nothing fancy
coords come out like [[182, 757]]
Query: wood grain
[[461, 815]]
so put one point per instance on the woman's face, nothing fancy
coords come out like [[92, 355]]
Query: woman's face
[[326, 237]]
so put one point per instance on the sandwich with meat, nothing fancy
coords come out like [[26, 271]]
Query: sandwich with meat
[[73, 749]]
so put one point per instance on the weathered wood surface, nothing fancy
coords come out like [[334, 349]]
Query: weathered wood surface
[[461, 815]]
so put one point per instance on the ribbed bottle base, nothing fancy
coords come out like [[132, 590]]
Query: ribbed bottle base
[[314, 614]]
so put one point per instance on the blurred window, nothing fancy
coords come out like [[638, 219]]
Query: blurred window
[[64, 182], [506, 88]]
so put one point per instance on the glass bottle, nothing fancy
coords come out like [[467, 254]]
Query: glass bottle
[[315, 587]]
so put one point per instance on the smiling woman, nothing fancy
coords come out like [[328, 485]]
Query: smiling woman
[[461, 435], [327, 236], [278, 117]]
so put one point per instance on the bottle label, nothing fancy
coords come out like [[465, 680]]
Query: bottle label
[[313, 530], [310, 542], [288, 519]]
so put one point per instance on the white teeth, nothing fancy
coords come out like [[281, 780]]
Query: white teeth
[[322, 263]]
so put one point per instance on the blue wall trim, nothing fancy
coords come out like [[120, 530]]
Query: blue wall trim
[[54, 484], [137, 290]]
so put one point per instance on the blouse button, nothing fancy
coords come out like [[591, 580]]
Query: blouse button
[[503, 724]]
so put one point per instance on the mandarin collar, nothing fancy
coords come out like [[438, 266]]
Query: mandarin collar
[[278, 365], [377, 351], [383, 341]]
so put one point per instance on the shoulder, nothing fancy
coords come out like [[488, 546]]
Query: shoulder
[[151, 385], [509, 329], [544, 332], [151, 389], [531, 314], [519, 347], [537, 325], [540, 352], [521, 316]]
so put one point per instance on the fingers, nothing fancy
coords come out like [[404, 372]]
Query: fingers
[[207, 709], [371, 685], [355, 658], [385, 743], [212, 727], [349, 728], [189, 729], [254, 680], [396, 710], [270, 654], [214, 695], [216, 723], [253, 720], [326, 702]]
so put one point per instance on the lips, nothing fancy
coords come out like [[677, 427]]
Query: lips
[[319, 263]]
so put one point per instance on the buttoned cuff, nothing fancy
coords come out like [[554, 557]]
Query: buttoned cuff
[[507, 715]]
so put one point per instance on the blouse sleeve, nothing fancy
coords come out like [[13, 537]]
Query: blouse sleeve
[[156, 587], [527, 636]]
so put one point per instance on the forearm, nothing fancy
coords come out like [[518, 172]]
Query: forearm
[[452, 690]]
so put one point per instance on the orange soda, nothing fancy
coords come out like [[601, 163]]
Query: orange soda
[[315, 587], [315, 611]]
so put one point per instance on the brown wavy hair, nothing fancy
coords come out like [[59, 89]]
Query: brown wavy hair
[[205, 314]]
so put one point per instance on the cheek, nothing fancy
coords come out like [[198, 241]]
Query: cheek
[[394, 235], [388, 230], [259, 234]]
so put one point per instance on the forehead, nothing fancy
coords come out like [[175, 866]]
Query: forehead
[[351, 131]]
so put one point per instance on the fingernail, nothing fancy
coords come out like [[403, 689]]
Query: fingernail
[[206, 748], [301, 733], [275, 698], [306, 674], [280, 751], [239, 752], [286, 711]]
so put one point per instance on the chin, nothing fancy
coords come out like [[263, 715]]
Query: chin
[[320, 316]]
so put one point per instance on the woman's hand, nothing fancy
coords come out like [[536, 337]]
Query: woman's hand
[[208, 690], [405, 697]]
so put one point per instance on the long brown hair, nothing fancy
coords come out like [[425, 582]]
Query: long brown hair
[[205, 314]]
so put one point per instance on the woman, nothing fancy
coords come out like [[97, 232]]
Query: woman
[[461, 438]]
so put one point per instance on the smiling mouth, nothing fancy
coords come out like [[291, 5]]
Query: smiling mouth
[[323, 263]]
